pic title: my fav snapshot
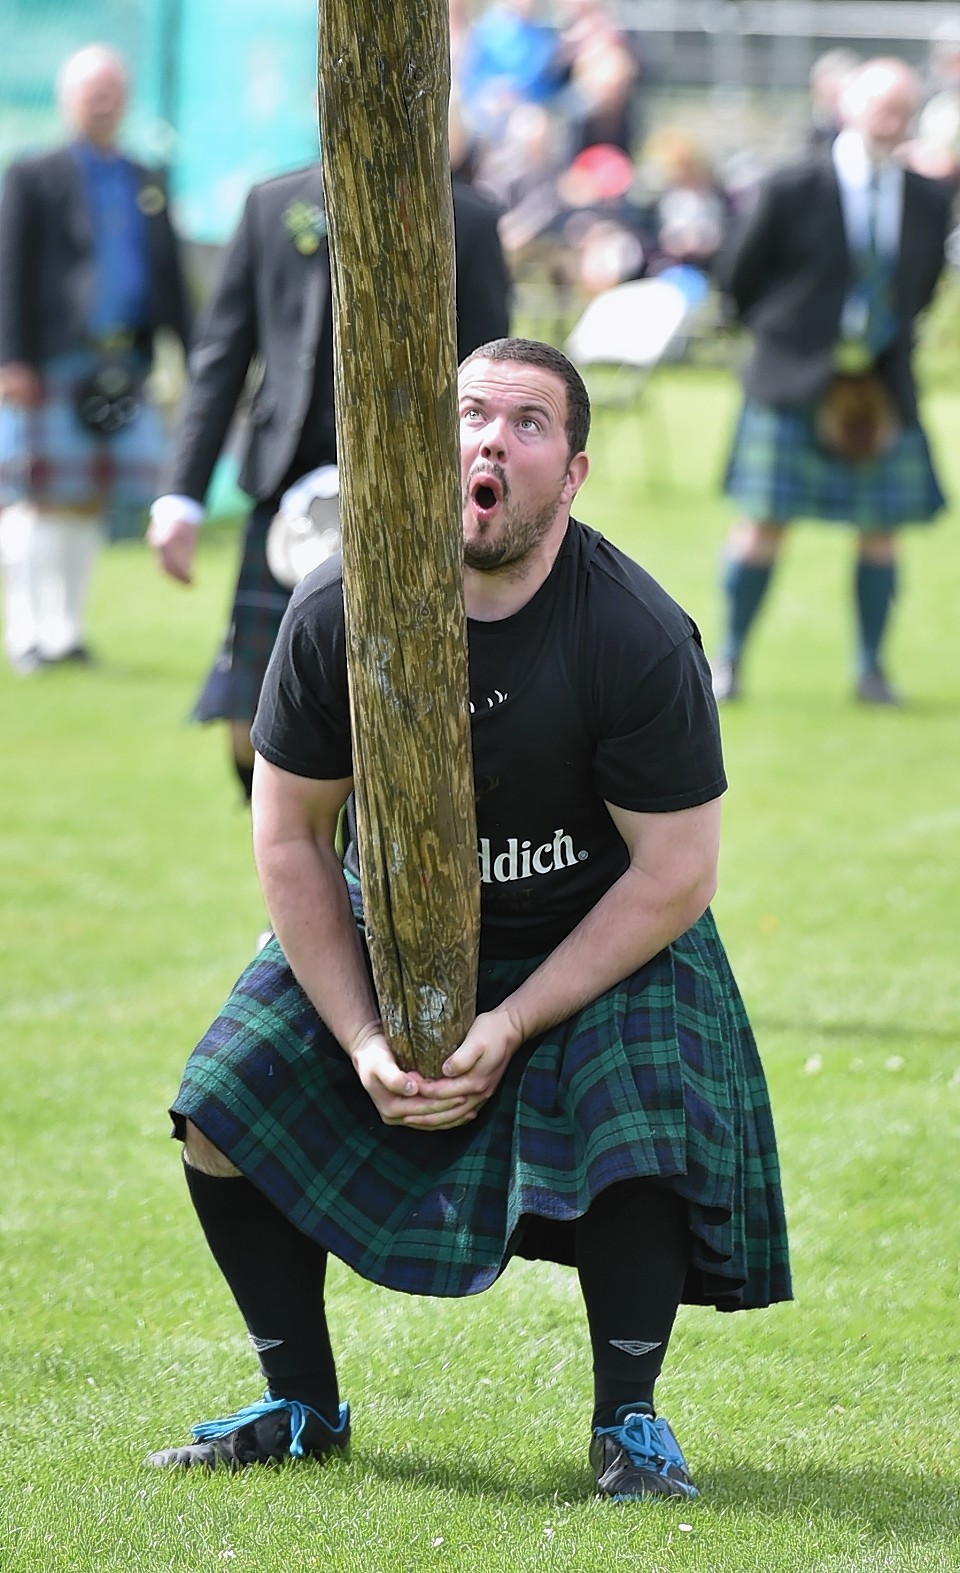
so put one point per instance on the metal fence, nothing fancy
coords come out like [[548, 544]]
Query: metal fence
[[766, 46]]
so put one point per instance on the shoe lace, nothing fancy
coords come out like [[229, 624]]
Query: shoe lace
[[207, 1430], [646, 1442]]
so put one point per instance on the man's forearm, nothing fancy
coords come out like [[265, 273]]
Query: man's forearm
[[636, 919], [309, 907]]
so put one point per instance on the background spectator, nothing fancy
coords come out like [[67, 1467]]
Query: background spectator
[[89, 270]]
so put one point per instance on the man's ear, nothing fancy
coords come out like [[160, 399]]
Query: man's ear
[[577, 471]]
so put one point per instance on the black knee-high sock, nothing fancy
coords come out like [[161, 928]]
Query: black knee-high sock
[[633, 1250], [276, 1274]]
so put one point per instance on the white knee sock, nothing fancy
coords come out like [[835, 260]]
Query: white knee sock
[[65, 548], [17, 523]]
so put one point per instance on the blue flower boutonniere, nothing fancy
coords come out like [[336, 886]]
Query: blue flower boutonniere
[[306, 224]]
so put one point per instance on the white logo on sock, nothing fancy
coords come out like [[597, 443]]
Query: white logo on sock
[[633, 1346], [260, 1344]]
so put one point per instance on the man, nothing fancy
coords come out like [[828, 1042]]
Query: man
[[835, 263], [273, 302], [508, 57], [607, 1108], [89, 270], [828, 77]]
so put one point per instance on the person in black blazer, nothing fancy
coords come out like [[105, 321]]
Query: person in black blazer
[[272, 304], [89, 270], [829, 272]]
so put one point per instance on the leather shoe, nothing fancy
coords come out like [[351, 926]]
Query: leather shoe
[[873, 689], [26, 663]]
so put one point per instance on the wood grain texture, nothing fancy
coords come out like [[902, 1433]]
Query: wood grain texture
[[383, 92]]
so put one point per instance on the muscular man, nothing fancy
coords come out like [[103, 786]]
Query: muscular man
[[607, 1108]]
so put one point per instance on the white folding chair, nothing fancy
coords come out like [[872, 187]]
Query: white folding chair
[[621, 336], [628, 328]]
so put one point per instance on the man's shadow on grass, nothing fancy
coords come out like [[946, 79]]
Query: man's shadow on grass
[[884, 1499]]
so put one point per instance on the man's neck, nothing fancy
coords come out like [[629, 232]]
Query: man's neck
[[491, 596], [98, 149]]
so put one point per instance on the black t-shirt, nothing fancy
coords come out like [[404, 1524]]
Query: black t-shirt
[[597, 690]]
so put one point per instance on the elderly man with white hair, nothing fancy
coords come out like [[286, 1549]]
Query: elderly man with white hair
[[829, 272], [89, 270]]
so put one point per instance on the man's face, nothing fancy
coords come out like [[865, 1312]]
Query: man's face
[[889, 105], [94, 101], [515, 465]]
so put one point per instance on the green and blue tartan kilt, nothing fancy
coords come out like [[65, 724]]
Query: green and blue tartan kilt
[[659, 1077], [48, 456], [778, 471], [232, 686]]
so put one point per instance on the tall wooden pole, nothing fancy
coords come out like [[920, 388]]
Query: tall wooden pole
[[383, 92]]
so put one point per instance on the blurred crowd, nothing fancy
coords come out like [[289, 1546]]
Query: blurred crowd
[[546, 118], [549, 118]]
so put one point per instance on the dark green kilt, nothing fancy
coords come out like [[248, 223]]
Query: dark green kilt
[[232, 686], [778, 471], [659, 1077]]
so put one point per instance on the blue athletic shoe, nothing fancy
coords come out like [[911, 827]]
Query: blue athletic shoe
[[264, 1433], [639, 1456]]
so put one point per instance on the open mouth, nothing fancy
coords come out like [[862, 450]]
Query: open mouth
[[486, 494]]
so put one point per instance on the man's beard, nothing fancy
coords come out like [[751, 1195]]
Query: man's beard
[[515, 540]]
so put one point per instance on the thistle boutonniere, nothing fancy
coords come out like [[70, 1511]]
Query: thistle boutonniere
[[151, 200], [306, 224]]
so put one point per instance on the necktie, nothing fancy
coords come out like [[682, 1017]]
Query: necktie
[[881, 325]]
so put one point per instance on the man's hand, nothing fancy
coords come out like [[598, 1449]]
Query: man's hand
[[20, 384], [174, 541], [474, 1070], [404, 1097]]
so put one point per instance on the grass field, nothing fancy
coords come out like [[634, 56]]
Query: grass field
[[823, 1435]]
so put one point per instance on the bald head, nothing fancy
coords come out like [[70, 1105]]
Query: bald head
[[92, 92], [879, 101]]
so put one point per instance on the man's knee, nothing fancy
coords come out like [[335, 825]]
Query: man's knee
[[757, 540], [200, 1153], [878, 547]]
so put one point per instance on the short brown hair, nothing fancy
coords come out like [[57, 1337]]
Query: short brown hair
[[534, 352]]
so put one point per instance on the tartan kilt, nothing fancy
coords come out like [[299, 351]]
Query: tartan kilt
[[232, 687], [48, 456], [659, 1077], [778, 471]]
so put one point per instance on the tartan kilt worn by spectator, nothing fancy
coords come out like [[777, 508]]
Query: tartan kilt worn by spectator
[[232, 685], [48, 456], [647, 1104], [777, 469]]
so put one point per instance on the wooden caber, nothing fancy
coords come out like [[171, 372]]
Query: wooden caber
[[384, 80]]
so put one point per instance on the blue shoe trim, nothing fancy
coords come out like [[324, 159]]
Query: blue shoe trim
[[649, 1444], [299, 1414]]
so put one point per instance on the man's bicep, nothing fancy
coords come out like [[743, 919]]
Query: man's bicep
[[292, 808], [686, 841]]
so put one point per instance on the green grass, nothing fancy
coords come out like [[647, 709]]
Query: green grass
[[823, 1434]]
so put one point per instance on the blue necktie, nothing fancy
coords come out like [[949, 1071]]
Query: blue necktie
[[876, 280]]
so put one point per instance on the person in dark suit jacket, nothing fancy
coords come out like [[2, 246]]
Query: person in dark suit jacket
[[272, 302], [89, 270], [832, 267]]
